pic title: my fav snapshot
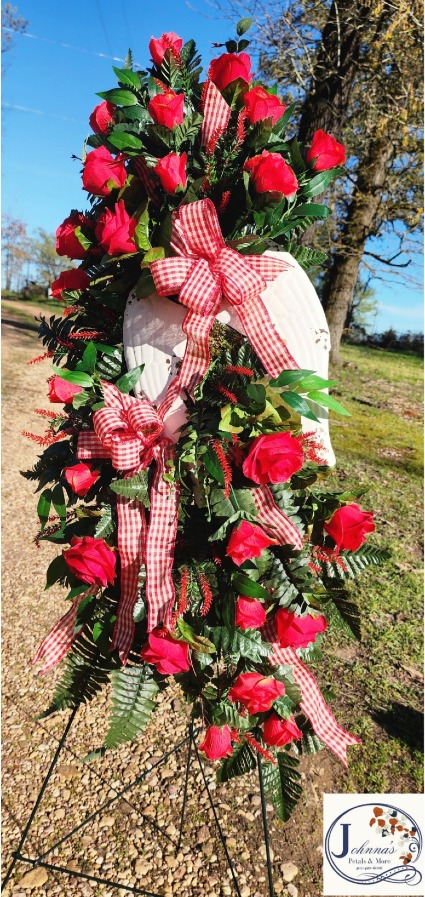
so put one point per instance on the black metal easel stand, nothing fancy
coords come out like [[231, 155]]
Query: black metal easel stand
[[40, 860]]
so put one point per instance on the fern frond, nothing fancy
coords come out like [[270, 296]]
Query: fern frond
[[132, 692], [281, 783]]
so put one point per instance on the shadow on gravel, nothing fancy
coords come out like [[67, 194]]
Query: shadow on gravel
[[404, 723], [20, 325]]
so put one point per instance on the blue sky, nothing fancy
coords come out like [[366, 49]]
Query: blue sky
[[50, 88]]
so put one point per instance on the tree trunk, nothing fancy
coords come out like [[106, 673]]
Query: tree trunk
[[340, 284]]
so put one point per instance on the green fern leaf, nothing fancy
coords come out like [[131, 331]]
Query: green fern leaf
[[281, 783], [241, 761], [343, 614], [305, 256], [248, 644], [135, 487], [227, 713], [86, 673], [132, 704], [105, 525], [279, 584]]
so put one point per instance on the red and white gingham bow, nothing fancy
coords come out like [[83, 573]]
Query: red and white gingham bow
[[204, 270], [129, 431]]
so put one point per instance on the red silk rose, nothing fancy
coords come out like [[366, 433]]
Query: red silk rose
[[168, 655], [297, 632], [62, 391], [247, 541], [115, 230], [101, 117], [91, 560], [349, 527], [74, 279], [158, 46], [81, 477], [167, 108], [229, 67], [325, 152], [277, 731], [250, 614], [271, 174], [67, 242], [171, 171], [102, 173], [260, 104], [273, 458], [217, 742], [256, 692]]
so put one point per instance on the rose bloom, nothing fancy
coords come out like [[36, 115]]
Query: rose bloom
[[62, 391], [260, 104], [74, 279], [158, 46], [229, 67], [273, 458], [297, 632], [115, 230], [217, 742], [168, 655], [247, 541], [349, 527], [325, 152], [277, 731], [102, 173], [102, 117], [167, 108], [256, 692], [67, 243], [271, 174], [81, 477], [171, 171], [91, 560], [250, 614]]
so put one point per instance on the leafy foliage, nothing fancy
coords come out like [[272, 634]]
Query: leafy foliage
[[133, 690], [281, 784], [241, 761]]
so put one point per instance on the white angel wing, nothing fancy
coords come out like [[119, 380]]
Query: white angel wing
[[153, 336]]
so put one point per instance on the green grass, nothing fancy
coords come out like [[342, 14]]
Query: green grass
[[379, 682]]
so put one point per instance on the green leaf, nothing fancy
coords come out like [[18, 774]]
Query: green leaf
[[105, 525], [142, 231], [97, 630], [133, 690], [322, 398], [281, 784], [122, 140], [243, 26], [77, 590], [128, 381], [241, 761], [43, 507], [88, 361], [343, 615], [311, 210], [188, 129], [82, 398], [58, 500], [248, 644], [119, 97], [214, 467], [297, 160], [199, 643], [135, 487], [126, 76], [319, 183], [56, 570], [247, 587], [225, 712], [78, 378], [286, 378], [298, 404], [152, 255], [313, 381]]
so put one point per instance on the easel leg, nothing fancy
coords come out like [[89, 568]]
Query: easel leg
[[265, 828], [189, 756]]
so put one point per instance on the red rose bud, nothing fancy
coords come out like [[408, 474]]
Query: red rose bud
[[62, 391], [217, 742], [247, 541], [168, 655], [277, 731], [102, 117], [171, 171], [273, 458], [91, 560], [158, 46], [325, 152], [102, 173], [250, 614], [256, 692], [260, 104], [75, 279], [229, 67], [271, 174], [167, 109], [115, 230], [81, 478], [67, 242], [297, 632], [349, 527]]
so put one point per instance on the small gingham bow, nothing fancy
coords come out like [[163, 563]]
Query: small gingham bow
[[129, 431]]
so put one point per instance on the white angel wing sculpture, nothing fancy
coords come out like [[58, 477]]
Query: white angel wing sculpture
[[153, 336]]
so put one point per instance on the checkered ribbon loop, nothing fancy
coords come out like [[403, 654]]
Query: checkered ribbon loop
[[205, 270], [216, 114], [313, 704]]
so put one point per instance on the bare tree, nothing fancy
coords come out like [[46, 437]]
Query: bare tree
[[15, 249], [11, 24]]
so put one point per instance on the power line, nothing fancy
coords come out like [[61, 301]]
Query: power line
[[48, 40], [17, 108], [102, 21]]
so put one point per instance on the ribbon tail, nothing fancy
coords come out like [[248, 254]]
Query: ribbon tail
[[196, 359], [264, 338], [61, 637], [216, 114], [89, 446], [160, 543], [273, 521], [131, 546]]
